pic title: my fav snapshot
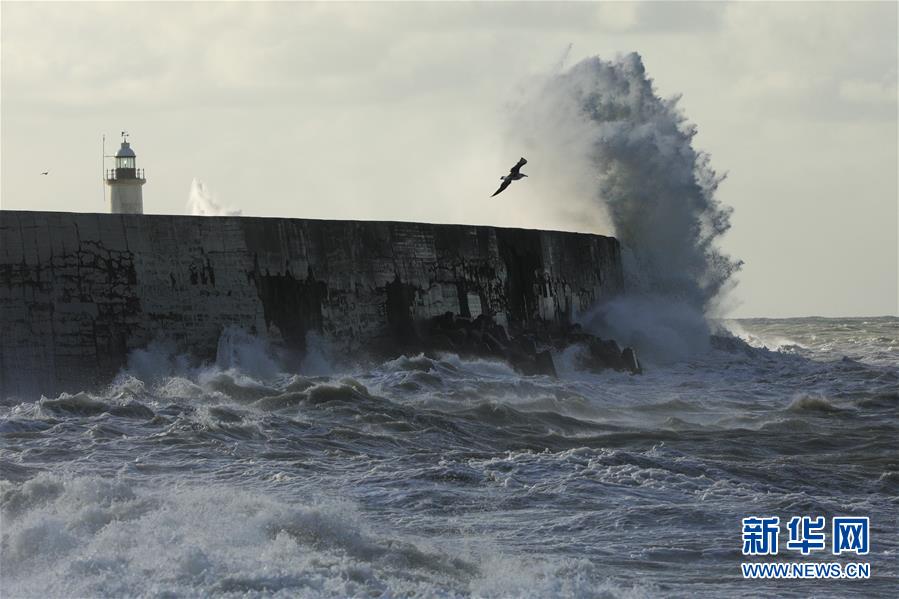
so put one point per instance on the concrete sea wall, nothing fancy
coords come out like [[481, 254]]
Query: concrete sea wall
[[78, 292]]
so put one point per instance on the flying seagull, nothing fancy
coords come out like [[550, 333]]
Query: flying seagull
[[45, 173], [513, 175]]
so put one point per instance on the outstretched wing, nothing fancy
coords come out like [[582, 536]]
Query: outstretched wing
[[518, 166], [505, 184]]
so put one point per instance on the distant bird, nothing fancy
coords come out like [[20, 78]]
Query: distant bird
[[514, 175], [45, 173]]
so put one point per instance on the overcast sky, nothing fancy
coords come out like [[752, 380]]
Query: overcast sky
[[398, 111]]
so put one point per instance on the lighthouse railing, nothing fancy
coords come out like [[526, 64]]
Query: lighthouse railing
[[121, 174]]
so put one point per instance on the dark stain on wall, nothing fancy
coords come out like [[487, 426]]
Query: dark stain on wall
[[292, 304], [400, 298], [521, 252]]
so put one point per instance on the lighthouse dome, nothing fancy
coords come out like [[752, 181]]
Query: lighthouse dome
[[125, 151]]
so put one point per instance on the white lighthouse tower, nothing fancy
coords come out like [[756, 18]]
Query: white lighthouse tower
[[125, 182]]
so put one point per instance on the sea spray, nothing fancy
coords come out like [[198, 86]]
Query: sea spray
[[239, 350], [201, 202], [622, 158]]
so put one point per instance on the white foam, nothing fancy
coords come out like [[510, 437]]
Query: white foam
[[85, 536], [759, 339]]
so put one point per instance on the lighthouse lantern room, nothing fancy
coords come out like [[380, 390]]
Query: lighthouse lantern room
[[125, 182]]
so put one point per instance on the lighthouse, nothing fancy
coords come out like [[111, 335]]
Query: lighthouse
[[125, 182]]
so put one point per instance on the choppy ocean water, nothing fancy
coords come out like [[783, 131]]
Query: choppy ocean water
[[454, 478]]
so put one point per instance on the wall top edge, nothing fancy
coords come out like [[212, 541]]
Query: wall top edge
[[4, 212]]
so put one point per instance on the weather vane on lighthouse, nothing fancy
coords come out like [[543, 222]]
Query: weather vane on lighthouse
[[125, 181]]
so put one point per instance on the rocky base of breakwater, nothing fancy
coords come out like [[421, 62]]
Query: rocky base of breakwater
[[529, 353]]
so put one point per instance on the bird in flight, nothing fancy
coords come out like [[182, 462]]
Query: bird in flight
[[45, 173], [514, 175]]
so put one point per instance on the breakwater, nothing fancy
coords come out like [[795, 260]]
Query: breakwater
[[78, 292]]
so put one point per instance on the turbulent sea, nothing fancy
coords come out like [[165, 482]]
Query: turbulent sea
[[447, 477]]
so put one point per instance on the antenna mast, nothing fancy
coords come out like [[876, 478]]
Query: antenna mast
[[103, 169]]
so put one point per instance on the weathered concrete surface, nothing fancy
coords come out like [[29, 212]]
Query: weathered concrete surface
[[79, 291]]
